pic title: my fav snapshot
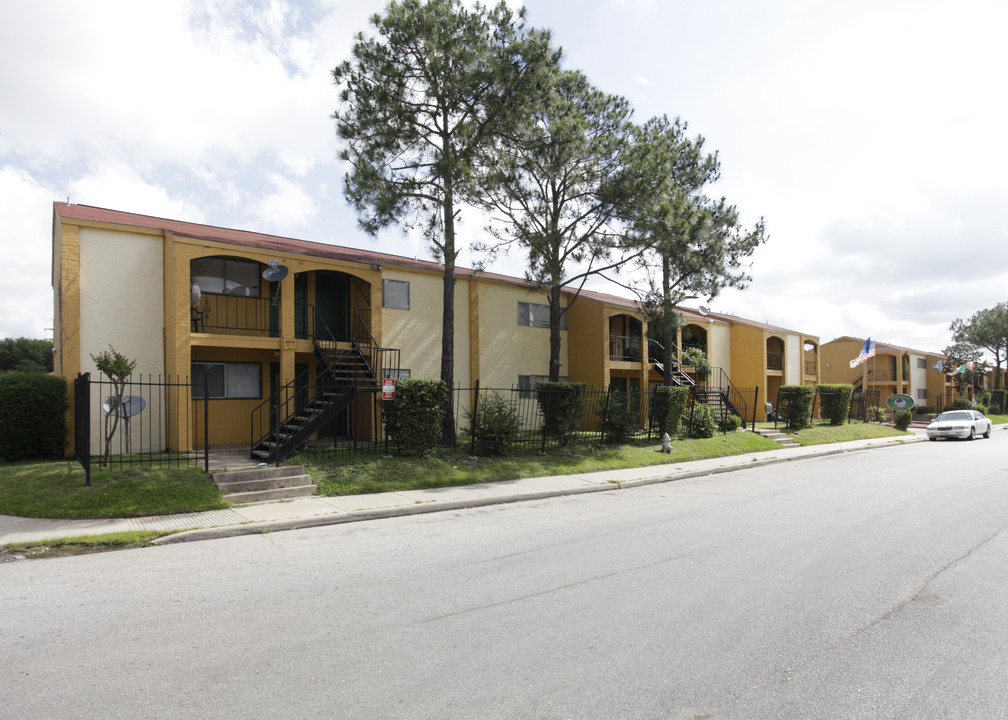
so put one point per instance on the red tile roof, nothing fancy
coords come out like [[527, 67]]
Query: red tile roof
[[277, 243]]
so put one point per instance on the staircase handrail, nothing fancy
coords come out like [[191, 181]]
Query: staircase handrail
[[733, 397]]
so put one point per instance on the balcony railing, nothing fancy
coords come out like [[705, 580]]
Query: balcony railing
[[249, 316], [774, 360], [625, 348]]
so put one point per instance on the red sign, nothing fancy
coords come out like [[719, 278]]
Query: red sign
[[388, 389]]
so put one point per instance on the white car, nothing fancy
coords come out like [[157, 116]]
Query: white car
[[959, 424]]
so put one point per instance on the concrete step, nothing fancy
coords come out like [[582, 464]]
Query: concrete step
[[247, 498], [778, 437], [263, 484]]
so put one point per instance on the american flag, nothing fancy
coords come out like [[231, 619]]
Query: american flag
[[868, 351]]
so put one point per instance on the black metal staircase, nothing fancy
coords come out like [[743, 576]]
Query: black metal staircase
[[667, 362], [319, 394]]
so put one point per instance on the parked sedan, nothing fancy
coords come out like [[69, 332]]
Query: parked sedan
[[959, 424]]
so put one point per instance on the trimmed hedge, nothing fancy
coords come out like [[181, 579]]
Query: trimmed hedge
[[414, 418], [998, 402], [32, 421], [834, 401], [669, 404], [562, 405], [798, 408], [902, 420]]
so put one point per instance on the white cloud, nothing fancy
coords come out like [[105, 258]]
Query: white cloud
[[25, 255], [288, 207]]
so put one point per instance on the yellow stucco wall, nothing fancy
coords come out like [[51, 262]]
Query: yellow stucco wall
[[507, 349], [588, 342]]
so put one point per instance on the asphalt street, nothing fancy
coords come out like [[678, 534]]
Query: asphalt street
[[868, 584]]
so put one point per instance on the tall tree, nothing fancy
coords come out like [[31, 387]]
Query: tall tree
[[986, 329], [560, 186], [421, 102], [693, 246], [964, 366], [26, 355]]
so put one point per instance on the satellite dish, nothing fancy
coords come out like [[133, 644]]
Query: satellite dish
[[195, 295], [274, 272], [704, 310], [129, 406]]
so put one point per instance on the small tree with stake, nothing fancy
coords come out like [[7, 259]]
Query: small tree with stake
[[117, 367]]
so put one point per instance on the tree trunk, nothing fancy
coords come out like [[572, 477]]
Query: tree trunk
[[668, 327], [448, 316], [554, 359]]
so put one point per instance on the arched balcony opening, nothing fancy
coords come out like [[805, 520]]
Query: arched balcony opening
[[810, 358], [228, 296], [694, 337], [625, 333], [775, 353]]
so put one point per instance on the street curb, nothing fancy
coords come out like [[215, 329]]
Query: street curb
[[423, 508]]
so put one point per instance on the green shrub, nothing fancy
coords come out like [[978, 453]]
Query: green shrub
[[985, 398], [495, 426], [32, 421], [902, 420], [668, 404], [876, 414], [730, 424], [414, 418], [700, 423], [834, 402], [997, 403], [924, 410], [981, 408], [621, 419], [700, 362], [960, 404], [797, 403], [562, 405]]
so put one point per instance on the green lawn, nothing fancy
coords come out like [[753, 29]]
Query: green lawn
[[442, 469], [820, 434], [56, 489]]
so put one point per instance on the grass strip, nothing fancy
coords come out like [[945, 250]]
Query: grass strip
[[56, 490]]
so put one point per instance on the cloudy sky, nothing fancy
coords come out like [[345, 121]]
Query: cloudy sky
[[871, 136]]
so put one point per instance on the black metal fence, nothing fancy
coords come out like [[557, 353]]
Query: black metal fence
[[152, 423], [608, 416]]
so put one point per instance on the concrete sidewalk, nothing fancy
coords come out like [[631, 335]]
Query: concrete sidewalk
[[314, 511]]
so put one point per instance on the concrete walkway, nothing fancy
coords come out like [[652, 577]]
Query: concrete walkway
[[314, 511]]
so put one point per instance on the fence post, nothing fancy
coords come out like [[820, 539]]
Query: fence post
[[82, 423], [475, 410], [605, 415], [546, 414], [755, 402], [206, 418], [276, 429]]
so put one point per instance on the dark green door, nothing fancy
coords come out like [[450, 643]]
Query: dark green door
[[332, 299]]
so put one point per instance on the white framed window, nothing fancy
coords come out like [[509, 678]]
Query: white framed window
[[921, 394], [395, 294], [527, 383], [397, 374], [227, 380], [535, 315], [226, 276], [922, 363]]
